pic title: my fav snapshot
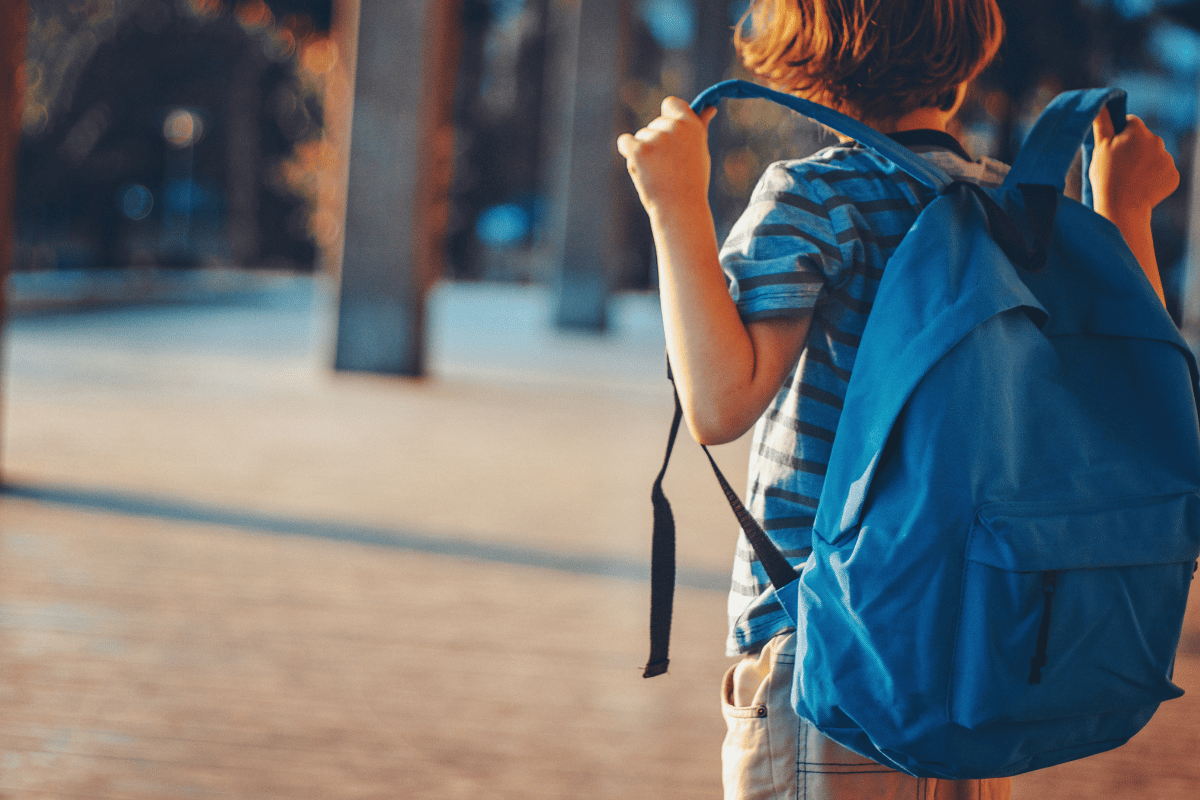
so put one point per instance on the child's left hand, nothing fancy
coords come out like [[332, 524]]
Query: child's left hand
[[668, 159], [1131, 172]]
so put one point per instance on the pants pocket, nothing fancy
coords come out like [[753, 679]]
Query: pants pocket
[[771, 754], [759, 754]]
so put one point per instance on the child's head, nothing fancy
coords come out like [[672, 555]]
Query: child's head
[[873, 59]]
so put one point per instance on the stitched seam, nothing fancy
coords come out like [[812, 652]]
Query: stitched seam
[[866, 770], [801, 728], [844, 772]]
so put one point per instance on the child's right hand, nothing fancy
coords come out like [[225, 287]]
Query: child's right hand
[[1131, 172], [668, 159]]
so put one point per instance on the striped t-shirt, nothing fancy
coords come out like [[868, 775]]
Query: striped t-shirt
[[814, 240]]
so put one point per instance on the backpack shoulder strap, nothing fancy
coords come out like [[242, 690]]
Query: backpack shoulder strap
[[1057, 135], [662, 550], [919, 168]]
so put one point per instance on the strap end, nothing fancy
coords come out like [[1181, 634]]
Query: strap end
[[656, 668]]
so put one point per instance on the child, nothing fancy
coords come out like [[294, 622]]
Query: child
[[777, 343]]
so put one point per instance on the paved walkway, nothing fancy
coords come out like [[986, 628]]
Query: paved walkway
[[225, 572]]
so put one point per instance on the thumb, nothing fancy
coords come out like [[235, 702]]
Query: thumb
[[707, 114], [1102, 126]]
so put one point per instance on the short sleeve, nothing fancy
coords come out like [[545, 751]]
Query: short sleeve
[[780, 252]]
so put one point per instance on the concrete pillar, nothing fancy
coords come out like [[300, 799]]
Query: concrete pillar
[[399, 170], [584, 77], [14, 17]]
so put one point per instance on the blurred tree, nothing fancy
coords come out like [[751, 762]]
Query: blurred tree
[[63, 36], [498, 138], [100, 181]]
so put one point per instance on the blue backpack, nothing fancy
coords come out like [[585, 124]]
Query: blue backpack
[[1010, 521]]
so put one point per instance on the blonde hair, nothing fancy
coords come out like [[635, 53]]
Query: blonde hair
[[873, 59]]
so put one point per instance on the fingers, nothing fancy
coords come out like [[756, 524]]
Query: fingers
[[628, 144], [675, 108], [632, 146], [625, 144], [664, 124], [1135, 130], [675, 112], [1138, 127], [1132, 171], [668, 159], [1102, 126], [1135, 134], [1151, 143]]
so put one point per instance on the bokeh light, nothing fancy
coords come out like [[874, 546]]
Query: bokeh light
[[136, 201], [206, 9], [503, 225], [320, 56], [254, 15], [182, 128]]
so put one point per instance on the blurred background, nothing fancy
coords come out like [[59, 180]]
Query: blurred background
[[164, 137], [210, 134], [333, 389]]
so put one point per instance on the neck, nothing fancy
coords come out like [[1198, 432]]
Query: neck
[[921, 119]]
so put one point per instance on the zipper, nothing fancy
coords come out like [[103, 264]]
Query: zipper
[[1049, 584]]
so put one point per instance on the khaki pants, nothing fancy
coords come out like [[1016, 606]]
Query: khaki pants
[[770, 753]]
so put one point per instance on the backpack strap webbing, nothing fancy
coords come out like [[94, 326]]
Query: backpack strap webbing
[[662, 551], [779, 570], [921, 169], [1057, 135]]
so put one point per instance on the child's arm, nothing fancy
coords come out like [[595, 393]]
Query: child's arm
[[727, 371], [1131, 173]]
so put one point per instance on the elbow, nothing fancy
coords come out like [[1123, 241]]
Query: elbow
[[715, 438], [714, 428]]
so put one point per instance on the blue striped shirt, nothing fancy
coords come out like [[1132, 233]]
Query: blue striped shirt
[[814, 241]]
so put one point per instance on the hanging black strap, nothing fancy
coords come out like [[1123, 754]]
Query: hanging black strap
[[662, 563], [662, 553]]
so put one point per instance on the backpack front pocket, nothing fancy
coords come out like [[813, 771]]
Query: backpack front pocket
[[1072, 609]]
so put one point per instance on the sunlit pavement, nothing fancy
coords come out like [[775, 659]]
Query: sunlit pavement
[[227, 572]]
